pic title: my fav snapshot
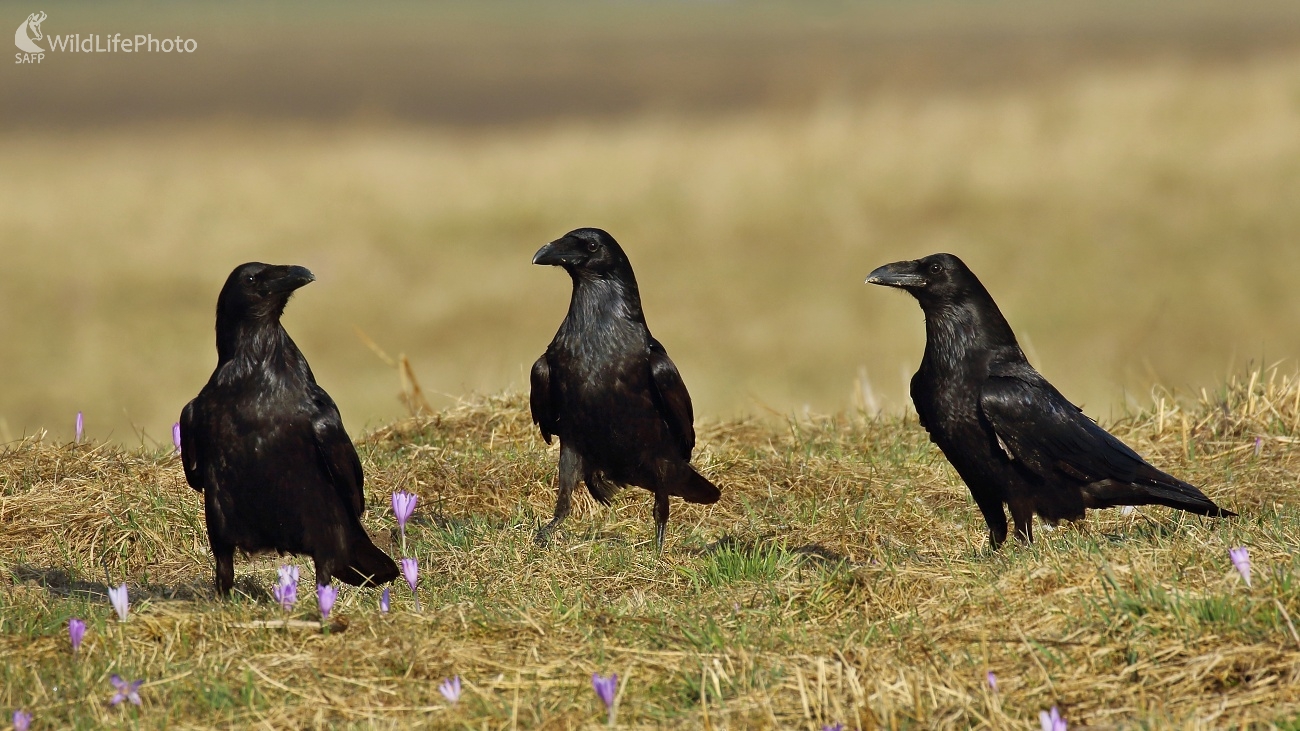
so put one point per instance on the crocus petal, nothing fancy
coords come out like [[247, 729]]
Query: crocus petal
[[125, 691], [176, 436], [117, 596], [22, 720], [403, 506], [325, 596], [286, 593], [76, 631], [991, 679], [450, 689], [81, 427], [410, 570], [384, 602], [1241, 559], [605, 687], [1052, 721]]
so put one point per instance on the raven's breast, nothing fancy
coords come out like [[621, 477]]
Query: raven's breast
[[609, 412]]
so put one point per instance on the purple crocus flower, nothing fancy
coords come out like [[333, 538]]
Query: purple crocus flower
[[410, 571], [81, 428], [450, 689], [833, 727], [125, 691], [1052, 721], [992, 680], [1241, 559], [384, 601], [403, 506], [22, 720], [176, 436], [286, 593], [605, 688], [117, 597], [288, 574], [76, 631], [325, 596]]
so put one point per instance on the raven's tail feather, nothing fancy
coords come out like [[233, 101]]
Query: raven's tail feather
[[601, 489], [368, 565], [1173, 493], [695, 488]]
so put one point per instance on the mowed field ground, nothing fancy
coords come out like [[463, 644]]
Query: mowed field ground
[[843, 578], [1124, 178]]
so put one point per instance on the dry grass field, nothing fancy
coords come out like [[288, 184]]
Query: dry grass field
[[844, 578]]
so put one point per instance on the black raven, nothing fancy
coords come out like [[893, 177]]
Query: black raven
[[266, 445], [1011, 436], [608, 390]]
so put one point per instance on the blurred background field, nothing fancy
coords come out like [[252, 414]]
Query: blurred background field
[[1124, 177]]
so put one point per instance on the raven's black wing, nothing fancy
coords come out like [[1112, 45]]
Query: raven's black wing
[[919, 397], [674, 402], [541, 399], [1049, 435], [1052, 438], [336, 451], [190, 446]]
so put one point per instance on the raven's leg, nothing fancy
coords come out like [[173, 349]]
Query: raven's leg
[[223, 550], [324, 570], [224, 556], [1023, 515], [570, 469], [996, 519], [661, 518]]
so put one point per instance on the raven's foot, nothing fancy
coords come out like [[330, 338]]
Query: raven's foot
[[543, 537]]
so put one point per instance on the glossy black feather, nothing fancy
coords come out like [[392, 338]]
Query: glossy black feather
[[608, 389], [540, 398], [266, 445], [1012, 437], [672, 402]]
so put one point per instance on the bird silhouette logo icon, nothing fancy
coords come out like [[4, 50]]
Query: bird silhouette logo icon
[[30, 32]]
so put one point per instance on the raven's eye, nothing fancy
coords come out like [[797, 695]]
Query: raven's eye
[[592, 246], [251, 279], [935, 268]]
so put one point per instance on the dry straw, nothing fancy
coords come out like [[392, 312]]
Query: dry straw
[[843, 578]]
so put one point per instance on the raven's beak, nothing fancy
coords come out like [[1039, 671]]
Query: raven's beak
[[557, 253], [291, 278], [898, 274]]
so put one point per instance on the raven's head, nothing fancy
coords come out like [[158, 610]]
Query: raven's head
[[933, 280], [589, 252], [256, 291]]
